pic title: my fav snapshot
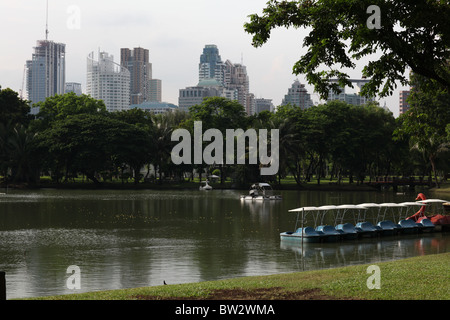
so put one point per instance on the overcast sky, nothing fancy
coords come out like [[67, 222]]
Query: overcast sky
[[174, 31]]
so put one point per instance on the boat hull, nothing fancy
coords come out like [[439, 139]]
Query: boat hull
[[366, 229], [387, 228], [297, 237], [328, 233], [347, 231], [408, 226]]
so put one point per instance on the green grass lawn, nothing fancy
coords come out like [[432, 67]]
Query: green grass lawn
[[419, 278]]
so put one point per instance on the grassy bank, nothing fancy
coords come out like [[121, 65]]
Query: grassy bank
[[419, 278]]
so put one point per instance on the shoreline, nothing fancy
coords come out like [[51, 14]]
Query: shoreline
[[344, 283], [187, 186]]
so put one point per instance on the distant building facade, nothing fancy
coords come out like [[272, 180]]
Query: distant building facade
[[195, 95], [108, 81], [351, 98], [218, 79], [211, 65], [155, 107], [298, 95], [137, 63], [403, 101], [236, 79], [46, 71], [155, 90], [263, 105], [74, 87]]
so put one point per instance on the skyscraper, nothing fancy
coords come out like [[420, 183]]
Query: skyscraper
[[211, 65], [46, 71], [137, 62], [108, 81], [155, 90], [404, 105], [236, 78]]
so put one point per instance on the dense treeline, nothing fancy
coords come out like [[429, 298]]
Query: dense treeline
[[74, 136]]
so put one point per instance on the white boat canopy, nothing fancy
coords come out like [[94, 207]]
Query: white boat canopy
[[413, 204], [305, 209], [370, 205], [432, 200], [351, 206], [394, 205]]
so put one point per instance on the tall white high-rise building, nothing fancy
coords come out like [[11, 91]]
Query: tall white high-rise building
[[108, 81], [46, 71]]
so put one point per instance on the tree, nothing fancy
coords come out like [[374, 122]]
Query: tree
[[13, 109], [413, 34], [59, 107], [218, 113], [426, 121], [90, 144]]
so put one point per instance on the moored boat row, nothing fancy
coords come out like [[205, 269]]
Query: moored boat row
[[348, 231]]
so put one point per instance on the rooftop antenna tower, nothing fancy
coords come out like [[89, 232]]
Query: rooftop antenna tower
[[46, 23]]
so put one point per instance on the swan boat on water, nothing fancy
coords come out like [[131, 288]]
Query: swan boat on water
[[206, 186]]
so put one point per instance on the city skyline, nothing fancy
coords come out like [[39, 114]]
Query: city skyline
[[175, 34]]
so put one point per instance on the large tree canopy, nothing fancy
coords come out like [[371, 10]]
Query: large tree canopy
[[409, 33]]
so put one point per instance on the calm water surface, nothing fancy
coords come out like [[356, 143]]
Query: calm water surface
[[124, 239]]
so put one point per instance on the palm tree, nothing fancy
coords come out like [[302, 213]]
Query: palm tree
[[432, 148], [22, 160], [162, 138]]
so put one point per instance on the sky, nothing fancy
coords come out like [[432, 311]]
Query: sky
[[174, 31]]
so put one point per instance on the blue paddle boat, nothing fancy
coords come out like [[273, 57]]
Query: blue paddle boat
[[425, 225], [366, 229], [408, 226], [328, 233], [347, 231], [308, 234], [387, 227]]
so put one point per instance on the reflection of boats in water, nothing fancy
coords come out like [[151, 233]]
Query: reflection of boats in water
[[260, 192], [206, 186], [343, 230], [325, 255]]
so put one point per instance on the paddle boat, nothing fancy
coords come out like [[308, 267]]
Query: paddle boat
[[388, 228], [440, 221], [303, 234], [425, 225], [408, 226], [260, 191], [307, 235], [366, 229], [328, 233], [347, 231], [206, 186]]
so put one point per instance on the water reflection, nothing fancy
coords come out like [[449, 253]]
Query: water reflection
[[124, 239], [312, 256]]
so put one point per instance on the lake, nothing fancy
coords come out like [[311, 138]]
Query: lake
[[124, 239]]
